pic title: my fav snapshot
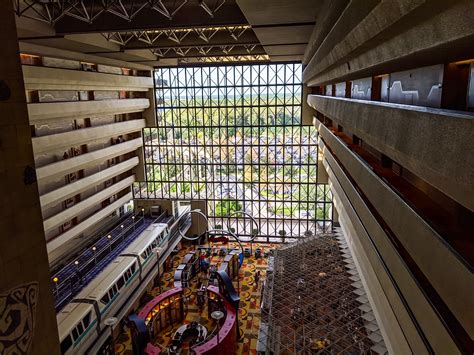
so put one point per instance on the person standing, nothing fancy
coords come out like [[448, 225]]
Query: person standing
[[257, 278]]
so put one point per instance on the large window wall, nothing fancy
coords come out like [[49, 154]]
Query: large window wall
[[232, 136]]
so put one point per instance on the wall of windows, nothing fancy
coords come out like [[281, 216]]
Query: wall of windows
[[232, 135]]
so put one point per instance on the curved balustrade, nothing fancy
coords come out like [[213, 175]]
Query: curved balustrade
[[227, 331]]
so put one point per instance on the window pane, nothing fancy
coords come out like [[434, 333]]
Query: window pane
[[232, 135]]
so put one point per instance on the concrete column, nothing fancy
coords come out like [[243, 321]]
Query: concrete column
[[150, 119], [335, 215], [150, 113], [198, 226], [307, 112], [26, 298]]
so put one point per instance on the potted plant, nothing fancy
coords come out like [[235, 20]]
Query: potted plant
[[282, 233]]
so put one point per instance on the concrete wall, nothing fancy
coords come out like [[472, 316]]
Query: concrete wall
[[427, 249], [79, 161], [431, 143], [26, 302], [37, 78], [73, 164], [86, 204], [91, 180], [89, 222], [85, 135], [407, 300], [83, 109], [377, 45], [383, 36]]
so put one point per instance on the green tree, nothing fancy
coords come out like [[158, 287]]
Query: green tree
[[225, 207]]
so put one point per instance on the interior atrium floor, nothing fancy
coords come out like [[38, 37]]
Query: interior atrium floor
[[249, 311], [313, 301]]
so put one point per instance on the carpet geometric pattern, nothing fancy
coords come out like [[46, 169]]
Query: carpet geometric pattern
[[249, 311]]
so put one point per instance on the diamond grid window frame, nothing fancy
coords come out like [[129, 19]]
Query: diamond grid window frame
[[232, 135]]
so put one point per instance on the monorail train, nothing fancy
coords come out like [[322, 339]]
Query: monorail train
[[81, 322]]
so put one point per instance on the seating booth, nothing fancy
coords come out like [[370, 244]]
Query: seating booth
[[185, 271], [168, 309], [227, 329], [163, 311], [231, 264]]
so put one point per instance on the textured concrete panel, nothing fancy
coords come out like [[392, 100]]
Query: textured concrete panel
[[361, 89], [37, 78], [283, 34], [279, 11], [426, 249], [420, 87], [83, 109], [27, 316], [384, 256], [431, 143], [389, 39], [70, 165]]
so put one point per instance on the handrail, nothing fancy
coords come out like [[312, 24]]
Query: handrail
[[63, 289], [85, 250], [97, 235]]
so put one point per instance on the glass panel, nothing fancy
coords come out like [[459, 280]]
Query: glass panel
[[232, 135]]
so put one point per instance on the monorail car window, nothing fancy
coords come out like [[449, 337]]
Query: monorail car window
[[105, 299], [121, 281], [80, 328], [133, 268], [66, 344], [75, 335], [87, 320]]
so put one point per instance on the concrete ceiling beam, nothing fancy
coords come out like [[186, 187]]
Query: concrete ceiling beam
[[394, 36]]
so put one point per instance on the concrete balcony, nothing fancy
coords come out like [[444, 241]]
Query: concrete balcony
[[451, 278], [44, 78], [420, 139], [87, 223], [70, 190], [57, 141], [75, 210], [78, 162], [49, 111], [393, 315]]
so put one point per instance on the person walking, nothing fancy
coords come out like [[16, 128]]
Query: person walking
[[257, 278]]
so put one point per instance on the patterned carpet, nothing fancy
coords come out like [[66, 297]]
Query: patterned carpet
[[249, 312]]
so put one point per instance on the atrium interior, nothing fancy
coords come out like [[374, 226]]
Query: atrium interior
[[237, 177]]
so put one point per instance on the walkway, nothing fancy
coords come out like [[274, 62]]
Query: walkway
[[77, 274]]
